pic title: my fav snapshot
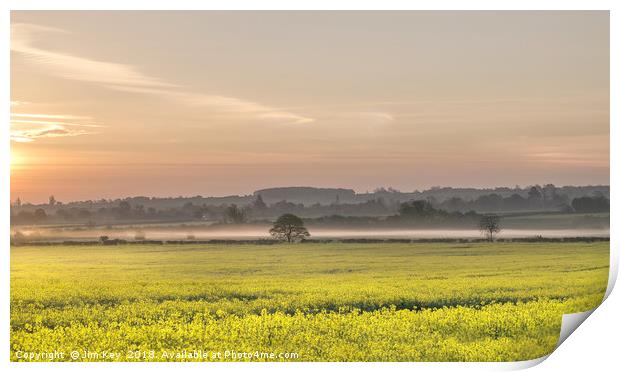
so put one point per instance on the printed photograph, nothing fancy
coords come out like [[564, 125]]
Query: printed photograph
[[306, 186]]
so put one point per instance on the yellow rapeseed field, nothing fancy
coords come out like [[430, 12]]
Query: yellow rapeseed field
[[301, 302]]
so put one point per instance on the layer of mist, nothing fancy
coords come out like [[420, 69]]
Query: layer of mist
[[261, 232]]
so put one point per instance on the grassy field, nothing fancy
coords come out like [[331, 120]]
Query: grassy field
[[323, 302], [571, 221]]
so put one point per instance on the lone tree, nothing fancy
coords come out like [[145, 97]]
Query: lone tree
[[289, 228], [489, 225]]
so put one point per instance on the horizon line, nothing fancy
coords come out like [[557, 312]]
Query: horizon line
[[387, 188]]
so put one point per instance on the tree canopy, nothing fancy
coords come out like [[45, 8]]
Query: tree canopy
[[489, 224], [289, 228]]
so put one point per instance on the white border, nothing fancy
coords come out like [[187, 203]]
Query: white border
[[565, 359]]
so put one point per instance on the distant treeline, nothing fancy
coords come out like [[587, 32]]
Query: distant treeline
[[345, 207], [418, 213], [309, 241]]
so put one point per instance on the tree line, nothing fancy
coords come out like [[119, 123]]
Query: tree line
[[453, 208]]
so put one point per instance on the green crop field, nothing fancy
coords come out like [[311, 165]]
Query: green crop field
[[317, 302]]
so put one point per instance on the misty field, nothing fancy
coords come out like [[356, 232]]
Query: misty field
[[321, 302]]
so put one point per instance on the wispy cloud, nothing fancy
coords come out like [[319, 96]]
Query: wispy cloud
[[48, 116], [24, 38], [48, 125], [567, 158], [45, 122], [222, 104], [29, 135]]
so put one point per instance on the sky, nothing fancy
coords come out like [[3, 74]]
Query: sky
[[108, 104]]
